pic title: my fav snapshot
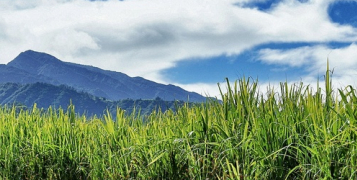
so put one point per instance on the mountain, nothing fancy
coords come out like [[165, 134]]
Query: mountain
[[45, 95], [31, 66], [12, 74]]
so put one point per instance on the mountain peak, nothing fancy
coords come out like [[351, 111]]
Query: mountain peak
[[30, 61], [35, 54], [102, 83], [30, 51]]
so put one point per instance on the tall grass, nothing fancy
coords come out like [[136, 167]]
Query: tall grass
[[293, 133]]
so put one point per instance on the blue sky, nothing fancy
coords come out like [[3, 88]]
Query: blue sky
[[247, 63], [192, 44]]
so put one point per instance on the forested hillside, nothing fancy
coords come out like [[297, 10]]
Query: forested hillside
[[45, 95]]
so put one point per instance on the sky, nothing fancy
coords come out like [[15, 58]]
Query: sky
[[192, 44]]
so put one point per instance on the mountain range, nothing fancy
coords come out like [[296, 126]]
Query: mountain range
[[31, 66], [35, 77]]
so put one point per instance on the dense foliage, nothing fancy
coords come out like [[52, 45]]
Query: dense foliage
[[293, 133], [45, 95]]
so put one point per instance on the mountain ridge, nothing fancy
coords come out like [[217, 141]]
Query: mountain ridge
[[47, 95], [93, 80]]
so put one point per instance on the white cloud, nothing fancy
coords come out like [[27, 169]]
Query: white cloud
[[342, 61], [3, 34], [144, 37], [292, 57], [59, 40], [26, 4], [294, 21]]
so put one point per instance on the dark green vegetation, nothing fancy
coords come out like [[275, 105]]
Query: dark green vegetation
[[294, 133], [31, 67], [46, 95]]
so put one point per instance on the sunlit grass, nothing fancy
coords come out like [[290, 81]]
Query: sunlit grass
[[294, 133]]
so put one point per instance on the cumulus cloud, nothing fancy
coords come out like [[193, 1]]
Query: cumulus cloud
[[23, 4], [2, 29], [343, 61], [142, 37], [292, 57]]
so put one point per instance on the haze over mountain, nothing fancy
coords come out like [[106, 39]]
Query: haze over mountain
[[31, 66]]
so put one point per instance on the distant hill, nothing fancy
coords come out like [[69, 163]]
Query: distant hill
[[31, 66], [45, 95]]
